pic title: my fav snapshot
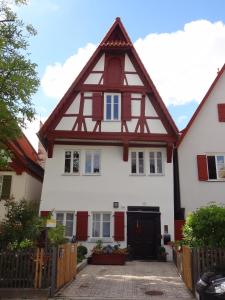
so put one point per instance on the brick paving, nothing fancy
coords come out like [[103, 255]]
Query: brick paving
[[128, 282]]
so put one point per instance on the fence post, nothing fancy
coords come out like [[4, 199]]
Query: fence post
[[53, 271]]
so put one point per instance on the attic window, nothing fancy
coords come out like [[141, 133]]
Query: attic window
[[221, 112], [112, 107]]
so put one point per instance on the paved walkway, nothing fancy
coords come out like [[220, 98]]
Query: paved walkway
[[135, 280]]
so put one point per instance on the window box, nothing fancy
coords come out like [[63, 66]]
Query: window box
[[108, 259]]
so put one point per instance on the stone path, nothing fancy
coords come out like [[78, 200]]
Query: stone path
[[133, 281]]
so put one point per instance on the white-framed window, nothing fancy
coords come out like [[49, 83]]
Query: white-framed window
[[92, 162], [112, 107], [101, 225], [155, 163], [216, 167], [66, 219], [137, 162], [72, 162]]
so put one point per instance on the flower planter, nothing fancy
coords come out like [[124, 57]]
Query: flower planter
[[108, 259]]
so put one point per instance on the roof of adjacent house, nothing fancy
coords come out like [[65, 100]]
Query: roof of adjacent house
[[25, 157], [195, 115]]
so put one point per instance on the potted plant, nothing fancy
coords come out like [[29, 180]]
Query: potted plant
[[108, 255], [162, 254]]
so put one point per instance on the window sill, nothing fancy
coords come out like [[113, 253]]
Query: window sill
[[92, 174], [112, 121], [215, 180], [141, 175], [162, 174], [104, 240], [70, 174]]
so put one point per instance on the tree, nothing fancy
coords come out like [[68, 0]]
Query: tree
[[205, 227], [18, 75]]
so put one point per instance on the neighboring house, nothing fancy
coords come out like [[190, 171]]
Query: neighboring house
[[109, 171], [201, 152], [22, 179]]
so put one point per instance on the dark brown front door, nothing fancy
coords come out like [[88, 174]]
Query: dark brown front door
[[143, 234]]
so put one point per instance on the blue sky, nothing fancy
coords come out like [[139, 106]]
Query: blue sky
[[169, 35]]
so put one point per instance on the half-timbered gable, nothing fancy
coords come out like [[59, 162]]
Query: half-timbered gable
[[113, 98], [109, 172]]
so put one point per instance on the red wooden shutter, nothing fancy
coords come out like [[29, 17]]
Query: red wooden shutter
[[82, 226], [45, 213], [202, 167], [221, 112], [97, 107], [119, 226], [126, 107]]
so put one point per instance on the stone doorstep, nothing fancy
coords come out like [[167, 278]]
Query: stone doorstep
[[82, 265]]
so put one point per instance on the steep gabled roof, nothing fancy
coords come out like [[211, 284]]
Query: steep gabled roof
[[25, 156], [116, 37], [195, 115]]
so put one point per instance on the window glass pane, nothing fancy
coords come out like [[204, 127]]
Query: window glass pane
[[106, 229], [96, 168], [59, 218], [96, 225], [159, 162], [106, 217], [108, 107], [116, 108], [75, 162], [69, 224], [152, 162], [133, 163], [88, 162], [212, 167], [67, 161], [141, 162], [220, 166]]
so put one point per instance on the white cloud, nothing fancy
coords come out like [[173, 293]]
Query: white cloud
[[181, 64], [58, 77]]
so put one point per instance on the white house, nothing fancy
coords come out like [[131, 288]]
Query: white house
[[109, 171], [22, 179], [201, 151]]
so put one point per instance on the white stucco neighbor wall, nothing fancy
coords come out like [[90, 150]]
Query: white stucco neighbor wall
[[97, 193], [23, 186], [206, 135]]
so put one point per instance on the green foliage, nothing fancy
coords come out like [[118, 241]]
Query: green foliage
[[205, 227], [22, 223], [56, 235], [99, 244], [81, 252], [24, 244], [18, 75]]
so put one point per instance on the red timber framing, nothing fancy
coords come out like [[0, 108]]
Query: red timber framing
[[115, 45]]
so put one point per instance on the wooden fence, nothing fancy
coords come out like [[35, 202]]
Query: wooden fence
[[39, 268], [193, 262]]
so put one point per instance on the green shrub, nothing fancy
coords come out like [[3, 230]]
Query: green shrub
[[56, 235], [205, 227], [81, 252]]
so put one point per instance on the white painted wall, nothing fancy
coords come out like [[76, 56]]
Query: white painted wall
[[206, 135], [97, 193], [23, 186]]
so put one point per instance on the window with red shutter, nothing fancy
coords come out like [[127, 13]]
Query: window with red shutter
[[221, 112], [119, 226], [126, 107], [97, 107], [202, 167], [82, 226]]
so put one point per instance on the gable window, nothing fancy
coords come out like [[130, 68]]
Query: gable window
[[72, 162], [155, 163], [137, 162], [66, 219], [101, 225], [112, 107], [216, 166], [92, 162]]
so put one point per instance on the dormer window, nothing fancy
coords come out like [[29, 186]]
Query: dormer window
[[112, 107]]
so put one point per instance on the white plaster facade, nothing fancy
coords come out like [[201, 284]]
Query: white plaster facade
[[205, 136], [96, 193], [23, 186]]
